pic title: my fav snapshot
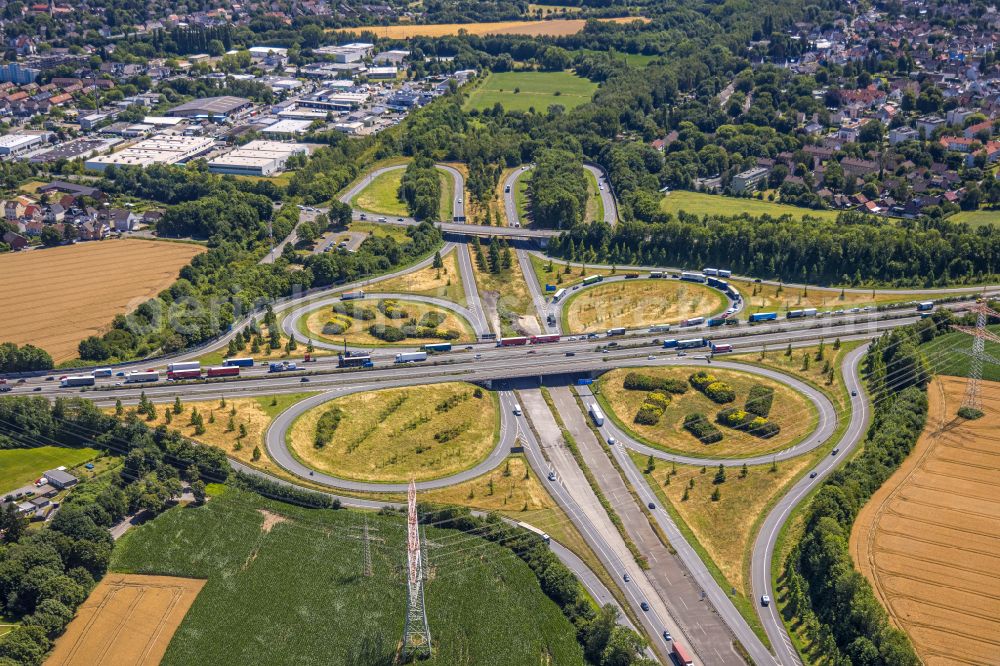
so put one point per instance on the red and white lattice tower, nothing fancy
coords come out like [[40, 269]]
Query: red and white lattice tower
[[416, 633]]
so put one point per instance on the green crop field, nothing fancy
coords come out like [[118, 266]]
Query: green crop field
[[696, 203], [950, 355], [22, 466], [285, 585], [538, 90], [977, 218]]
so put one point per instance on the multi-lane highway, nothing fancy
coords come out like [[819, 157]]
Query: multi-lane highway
[[572, 356]]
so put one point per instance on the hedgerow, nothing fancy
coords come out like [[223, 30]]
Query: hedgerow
[[702, 428]]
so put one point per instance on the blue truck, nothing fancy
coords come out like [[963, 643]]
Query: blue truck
[[438, 347], [763, 316], [717, 321], [669, 344], [238, 362]]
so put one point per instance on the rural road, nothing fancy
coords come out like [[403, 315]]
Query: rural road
[[458, 201], [604, 189]]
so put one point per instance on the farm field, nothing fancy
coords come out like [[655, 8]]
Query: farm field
[[929, 538], [790, 410], [297, 572], [638, 304], [697, 203], [56, 297], [537, 90], [444, 282], [977, 218], [555, 28], [724, 527], [949, 355], [19, 467], [507, 294], [253, 414], [127, 619], [773, 298], [316, 324], [393, 435]]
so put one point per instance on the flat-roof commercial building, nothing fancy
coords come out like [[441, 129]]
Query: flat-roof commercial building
[[15, 144], [159, 149], [338, 101], [287, 128], [217, 108], [257, 158]]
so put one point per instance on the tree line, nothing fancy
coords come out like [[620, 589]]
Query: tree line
[[420, 188], [558, 190], [851, 250]]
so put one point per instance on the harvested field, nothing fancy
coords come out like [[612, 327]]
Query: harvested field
[[55, 297], [128, 619], [397, 434], [638, 304], [791, 411], [555, 28], [929, 539]]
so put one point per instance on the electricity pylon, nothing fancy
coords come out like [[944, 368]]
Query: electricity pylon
[[416, 632], [980, 334]]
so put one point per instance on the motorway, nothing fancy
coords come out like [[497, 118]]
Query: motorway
[[571, 357]]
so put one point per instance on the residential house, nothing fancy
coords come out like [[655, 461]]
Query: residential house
[[16, 241]]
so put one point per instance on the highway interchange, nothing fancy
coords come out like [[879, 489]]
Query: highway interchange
[[515, 373]]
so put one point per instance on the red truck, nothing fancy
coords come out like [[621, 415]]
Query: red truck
[[681, 655], [539, 339], [184, 374], [223, 371]]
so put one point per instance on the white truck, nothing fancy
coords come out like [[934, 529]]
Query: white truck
[[77, 380], [147, 376], [411, 357], [183, 365]]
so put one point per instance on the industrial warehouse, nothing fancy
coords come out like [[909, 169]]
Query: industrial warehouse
[[257, 158]]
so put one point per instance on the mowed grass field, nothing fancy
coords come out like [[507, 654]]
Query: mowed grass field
[[19, 467], [444, 282], [381, 195], [977, 218], [554, 28], [312, 325], [950, 354], [637, 304], [697, 203], [286, 586], [791, 410], [127, 619], [56, 297], [397, 434], [929, 539], [536, 90]]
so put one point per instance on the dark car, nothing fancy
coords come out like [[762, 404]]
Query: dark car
[[812, 475], [651, 505], [304, 380], [626, 578], [570, 353], [854, 393], [667, 636], [644, 606], [834, 452], [468, 348]]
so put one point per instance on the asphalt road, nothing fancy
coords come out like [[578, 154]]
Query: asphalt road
[[458, 201], [764, 545], [547, 453], [691, 619], [607, 196]]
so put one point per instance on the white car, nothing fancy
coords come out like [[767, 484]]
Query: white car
[[765, 600], [612, 441]]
